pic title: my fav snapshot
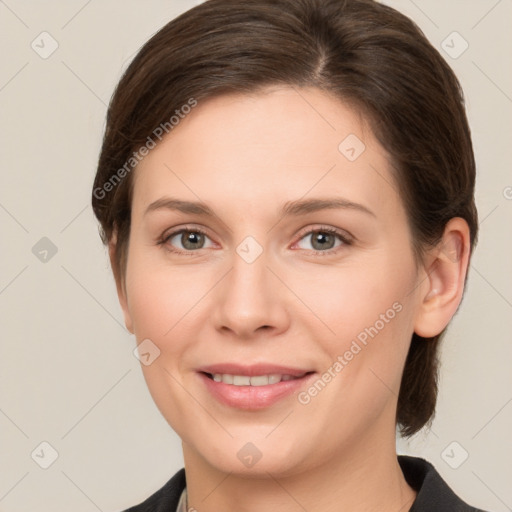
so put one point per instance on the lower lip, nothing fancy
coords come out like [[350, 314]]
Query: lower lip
[[253, 397]]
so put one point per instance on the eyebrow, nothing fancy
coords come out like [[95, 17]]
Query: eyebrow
[[296, 208]]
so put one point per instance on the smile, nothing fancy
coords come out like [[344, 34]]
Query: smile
[[256, 380], [252, 388]]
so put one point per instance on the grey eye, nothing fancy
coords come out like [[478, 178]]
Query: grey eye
[[320, 240], [189, 239]]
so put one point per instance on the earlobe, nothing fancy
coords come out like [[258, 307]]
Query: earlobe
[[443, 282], [120, 285]]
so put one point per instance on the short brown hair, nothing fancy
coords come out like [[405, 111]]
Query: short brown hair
[[364, 53]]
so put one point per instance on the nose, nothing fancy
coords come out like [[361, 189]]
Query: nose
[[250, 301]]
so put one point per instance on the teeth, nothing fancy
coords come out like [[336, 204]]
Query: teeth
[[241, 380], [256, 380], [262, 380], [274, 378]]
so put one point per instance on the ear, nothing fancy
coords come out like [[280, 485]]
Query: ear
[[120, 283], [443, 282]]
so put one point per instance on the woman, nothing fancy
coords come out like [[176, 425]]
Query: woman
[[287, 192]]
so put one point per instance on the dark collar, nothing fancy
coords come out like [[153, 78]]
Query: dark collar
[[165, 499], [434, 495], [433, 492]]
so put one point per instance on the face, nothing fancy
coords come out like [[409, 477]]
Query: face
[[281, 307]]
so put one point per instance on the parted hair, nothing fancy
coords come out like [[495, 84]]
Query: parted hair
[[362, 52]]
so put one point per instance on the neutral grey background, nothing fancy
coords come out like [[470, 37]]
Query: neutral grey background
[[68, 376]]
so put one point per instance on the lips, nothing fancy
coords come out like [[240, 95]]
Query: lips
[[252, 387]]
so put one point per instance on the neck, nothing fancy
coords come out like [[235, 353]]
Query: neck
[[356, 480]]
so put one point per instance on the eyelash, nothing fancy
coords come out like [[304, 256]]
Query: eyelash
[[323, 229], [167, 236], [331, 231]]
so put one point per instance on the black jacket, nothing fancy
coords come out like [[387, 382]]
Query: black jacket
[[434, 495]]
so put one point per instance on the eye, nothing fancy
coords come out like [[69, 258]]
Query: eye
[[323, 240], [186, 240]]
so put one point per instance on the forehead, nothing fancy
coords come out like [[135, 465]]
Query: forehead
[[265, 149]]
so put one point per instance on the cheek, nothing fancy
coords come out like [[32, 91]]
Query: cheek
[[362, 313], [161, 296], [346, 300], [370, 315], [161, 301]]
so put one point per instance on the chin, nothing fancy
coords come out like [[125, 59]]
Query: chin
[[255, 459]]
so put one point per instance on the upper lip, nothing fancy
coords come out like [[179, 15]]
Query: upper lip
[[253, 370]]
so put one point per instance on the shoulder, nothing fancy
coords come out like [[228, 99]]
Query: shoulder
[[166, 498], [433, 492]]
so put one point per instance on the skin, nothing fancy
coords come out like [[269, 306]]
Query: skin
[[245, 156]]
